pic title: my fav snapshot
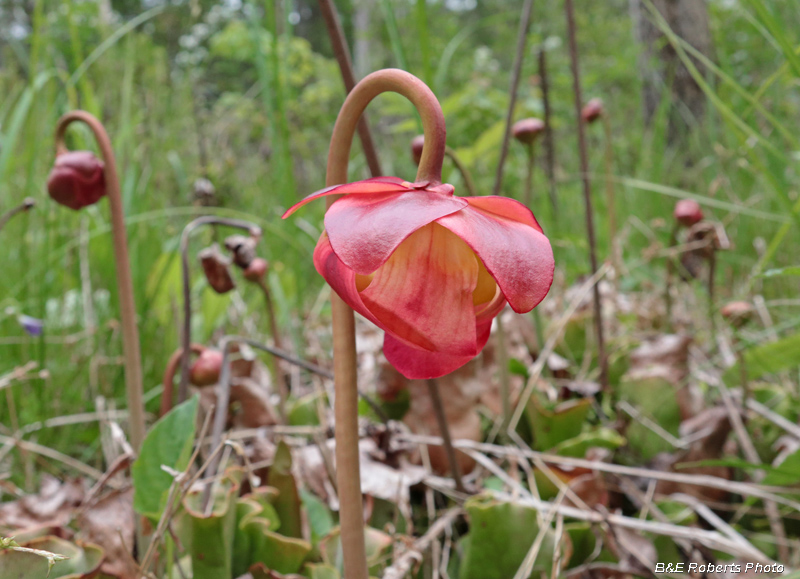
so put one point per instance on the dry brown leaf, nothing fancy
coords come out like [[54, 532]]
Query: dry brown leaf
[[51, 507], [109, 523]]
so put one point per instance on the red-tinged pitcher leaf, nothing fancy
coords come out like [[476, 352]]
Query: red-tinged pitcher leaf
[[511, 246], [366, 229]]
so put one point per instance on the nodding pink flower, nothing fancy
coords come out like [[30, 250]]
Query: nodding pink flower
[[593, 110], [417, 144], [206, 369], [526, 130], [77, 179], [430, 269], [687, 212]]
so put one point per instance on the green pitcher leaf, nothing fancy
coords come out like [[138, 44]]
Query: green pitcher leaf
[[169, 442], [209, 538], [287, 503], [377, 544], [500, 536], [552, 427], [312, 571], [50, 557]]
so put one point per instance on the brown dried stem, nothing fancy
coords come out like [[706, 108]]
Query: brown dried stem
[[186, 339], [441, 419], [26, 205], [522, 37], [130, 332], [587, 190], [549, 140]]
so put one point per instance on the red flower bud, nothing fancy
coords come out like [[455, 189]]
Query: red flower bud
[[256, 270], [592, 111], [687, 212], [77, 179], [526, 130], [206, 369], [216, 267], [416, 148], [737, 313]]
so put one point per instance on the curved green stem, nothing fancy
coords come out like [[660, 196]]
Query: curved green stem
[[186, 339], [130, 332], [351, 516], [406, 84]]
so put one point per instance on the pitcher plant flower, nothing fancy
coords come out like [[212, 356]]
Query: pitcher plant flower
[[79, 179], [429, 268]]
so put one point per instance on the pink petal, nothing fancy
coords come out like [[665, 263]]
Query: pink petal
[[366, 229], [341, 278], [504, 207], [418, 364], [374, 185], [422, 295], [508, 240]]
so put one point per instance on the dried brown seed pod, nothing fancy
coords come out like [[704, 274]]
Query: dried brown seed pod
[[217, 269]]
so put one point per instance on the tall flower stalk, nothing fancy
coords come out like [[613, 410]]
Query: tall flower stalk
[[130, 332], [587, 191], [345, 369]]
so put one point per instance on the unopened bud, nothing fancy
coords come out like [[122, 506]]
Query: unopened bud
[[592, 111], [527, 130], [77, 179], [217, 269], [206, 369], [687, 212]]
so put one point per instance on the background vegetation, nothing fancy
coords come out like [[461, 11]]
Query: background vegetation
[[230, 92]]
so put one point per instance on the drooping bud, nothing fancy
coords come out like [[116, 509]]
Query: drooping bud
[[257, 269], [737, 313], [77, 179], [217, 269], [242, 248], [416, 148], [593, 110], [206, 369], [527, 130], [687, 212]]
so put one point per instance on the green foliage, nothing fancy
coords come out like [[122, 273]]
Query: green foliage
[[769, 358], [168, 443], [500, 536], [49, 557]]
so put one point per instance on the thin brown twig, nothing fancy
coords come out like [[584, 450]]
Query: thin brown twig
[[27, 204], [587, 190], [403, 564], [522, 37], [549, 138], [444, 429], [342, 53]]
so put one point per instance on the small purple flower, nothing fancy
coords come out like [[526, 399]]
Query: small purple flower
[[32, 326]]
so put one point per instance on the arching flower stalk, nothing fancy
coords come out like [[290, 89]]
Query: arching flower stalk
[[526, 132], [79, 179], [430, 269], [186, 339], [255, 270], [686, 214], [169, 376], [594, 111], [26, 205], [418, 143]]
